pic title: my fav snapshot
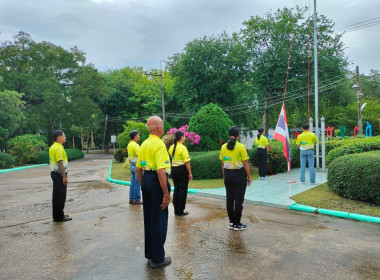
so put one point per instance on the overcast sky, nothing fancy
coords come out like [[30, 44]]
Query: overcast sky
[[120, 33]]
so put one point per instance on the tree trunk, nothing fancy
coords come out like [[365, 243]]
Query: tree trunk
[[81, 138], [265, 116], [73, 143], [87, 138], [92, 139]]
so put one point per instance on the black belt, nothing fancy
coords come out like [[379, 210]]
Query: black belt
[[150, 171], [179, 166]]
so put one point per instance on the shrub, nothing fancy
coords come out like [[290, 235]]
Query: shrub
[[276, 160], [24, 147], [43, 156], [6, 161], [206, 165], [353, 147], [212, 124], [74, 154], [356, 176], [123, 138], [120, 155]]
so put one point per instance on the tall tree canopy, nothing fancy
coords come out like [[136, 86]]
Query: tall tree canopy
[[48, 76], [267, 40]]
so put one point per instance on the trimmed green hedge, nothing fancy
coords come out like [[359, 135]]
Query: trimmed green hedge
[[276, 160], [206, 165], [43, 156], [353, 147], [6, 161], [356, 176]]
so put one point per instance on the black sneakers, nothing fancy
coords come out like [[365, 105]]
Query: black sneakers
[[240, 227], [231, 226], [184, 213]]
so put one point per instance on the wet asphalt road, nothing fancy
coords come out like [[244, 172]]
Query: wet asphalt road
[[105, 238]]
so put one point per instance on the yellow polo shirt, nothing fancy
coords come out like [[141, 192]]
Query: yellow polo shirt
[[153, 155], [233, 159], [181, 155], [262, 143], [133, 151], [307, 140], [57, 153]]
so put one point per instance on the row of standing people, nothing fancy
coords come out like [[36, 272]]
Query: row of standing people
[[150, 166]]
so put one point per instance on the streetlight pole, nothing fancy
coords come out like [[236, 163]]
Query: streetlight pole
[[357, 87], [162, 90]]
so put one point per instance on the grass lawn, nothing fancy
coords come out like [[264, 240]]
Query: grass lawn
[[323, 197], [120, 173]]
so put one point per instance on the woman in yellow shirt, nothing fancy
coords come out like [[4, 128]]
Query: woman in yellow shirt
[[261, 143], [236, 175], [181, 173]]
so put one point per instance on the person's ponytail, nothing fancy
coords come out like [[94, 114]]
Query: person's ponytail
[[260, 131], [177, 136], [233, 132]]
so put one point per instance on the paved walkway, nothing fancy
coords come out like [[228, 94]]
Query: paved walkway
[[275, 191]]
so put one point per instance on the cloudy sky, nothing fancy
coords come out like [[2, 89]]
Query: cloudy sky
[[120, 33]]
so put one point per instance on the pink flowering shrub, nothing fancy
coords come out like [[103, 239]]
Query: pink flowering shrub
[[190, 136]]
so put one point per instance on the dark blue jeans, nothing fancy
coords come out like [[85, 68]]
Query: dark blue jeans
[[155, 219]]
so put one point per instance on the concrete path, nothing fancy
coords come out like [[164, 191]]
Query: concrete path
[[275, 191]]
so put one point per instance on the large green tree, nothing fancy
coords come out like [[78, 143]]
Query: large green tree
[[44, 73], [267, 41], [11, 105], [209, 70]]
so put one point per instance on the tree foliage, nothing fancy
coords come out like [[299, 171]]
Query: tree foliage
[[11, 115], [267, 41], [211, 123]]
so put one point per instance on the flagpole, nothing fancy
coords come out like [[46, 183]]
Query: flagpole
[[316, 83]]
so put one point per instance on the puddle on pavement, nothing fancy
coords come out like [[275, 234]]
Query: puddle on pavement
[[236, 243], [311, 226], [253, 220], [94, 185], [369, 268]]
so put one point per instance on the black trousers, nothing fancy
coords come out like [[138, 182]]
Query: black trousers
[[236, 184], [181, 184], [262, 158], [155, 219], [59, 195]]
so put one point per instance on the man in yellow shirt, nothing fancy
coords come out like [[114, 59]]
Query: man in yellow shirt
[[59, 164], [152, 169], [133, 151], [306, 141]]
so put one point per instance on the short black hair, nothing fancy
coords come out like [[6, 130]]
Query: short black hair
[[305, 126], [57, 133], [133, 133]]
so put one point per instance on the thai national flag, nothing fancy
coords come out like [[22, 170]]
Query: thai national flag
[[281, 134]]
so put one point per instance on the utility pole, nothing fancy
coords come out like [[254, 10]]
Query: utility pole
[[360, 123], [316, 83], [162, 89]]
